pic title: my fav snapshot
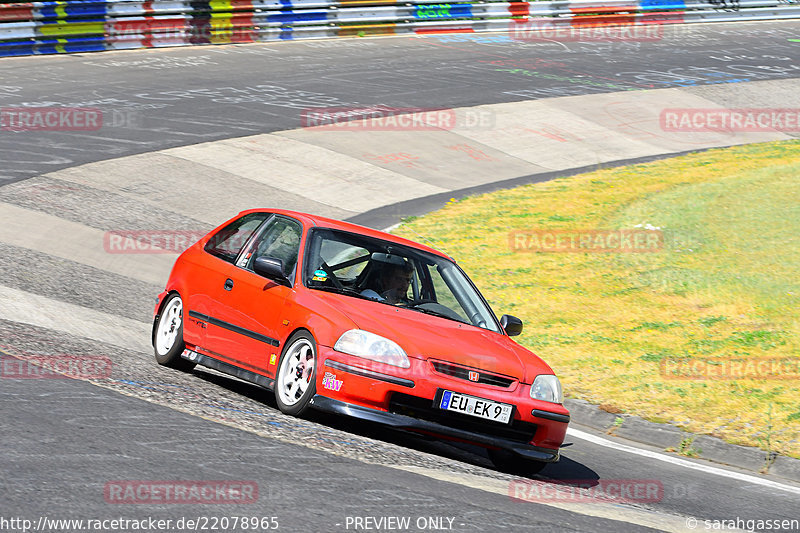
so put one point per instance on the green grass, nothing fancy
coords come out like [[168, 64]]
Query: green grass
[[725, 285]]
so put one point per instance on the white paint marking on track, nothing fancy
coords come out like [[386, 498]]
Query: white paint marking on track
[[708, 469], [36, 310], [83, 244], [658, 520]]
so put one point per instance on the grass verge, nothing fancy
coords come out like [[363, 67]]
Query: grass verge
[[681, 335]]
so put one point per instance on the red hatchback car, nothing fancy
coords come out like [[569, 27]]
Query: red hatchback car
[[349, 320]]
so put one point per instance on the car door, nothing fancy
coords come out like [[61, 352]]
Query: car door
[[211, 270], [249, 306]]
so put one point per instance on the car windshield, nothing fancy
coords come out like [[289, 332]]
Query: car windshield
[[393, 274]]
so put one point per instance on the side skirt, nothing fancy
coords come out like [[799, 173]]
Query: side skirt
[[227, 368]]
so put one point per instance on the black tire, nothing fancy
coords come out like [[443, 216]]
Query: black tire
[[511, 463], [168, 342], [295, 379]]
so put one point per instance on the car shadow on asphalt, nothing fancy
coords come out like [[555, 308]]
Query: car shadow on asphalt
[[564, 472]]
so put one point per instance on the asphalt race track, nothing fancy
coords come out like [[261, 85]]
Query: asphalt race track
[[157, 99], [187, 133]]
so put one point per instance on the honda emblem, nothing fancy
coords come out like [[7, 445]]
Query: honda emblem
[[474, 376]]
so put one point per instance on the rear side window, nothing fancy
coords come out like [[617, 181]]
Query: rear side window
[[228, 242]]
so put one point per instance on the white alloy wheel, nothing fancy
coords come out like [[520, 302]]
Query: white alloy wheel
[[169, 326], [294, 384]]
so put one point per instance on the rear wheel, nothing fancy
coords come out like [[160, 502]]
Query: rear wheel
[[295, 381], [168, 340], [513, 464]]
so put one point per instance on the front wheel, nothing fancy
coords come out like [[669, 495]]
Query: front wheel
[[168, 340], [513, 464], [295, 381]]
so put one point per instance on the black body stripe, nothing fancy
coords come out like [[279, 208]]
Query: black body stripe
[[236, 329]]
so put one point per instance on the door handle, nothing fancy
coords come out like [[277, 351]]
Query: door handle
[[228, 284]]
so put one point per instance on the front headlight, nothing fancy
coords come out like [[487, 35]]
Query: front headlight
[[370, 346], [547, 388]]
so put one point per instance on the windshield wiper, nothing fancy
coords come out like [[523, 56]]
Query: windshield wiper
[[437, 313]]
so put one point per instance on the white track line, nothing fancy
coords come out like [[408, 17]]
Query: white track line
[[658, 520], [600, 441]]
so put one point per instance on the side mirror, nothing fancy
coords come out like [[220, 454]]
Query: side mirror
[[271, 268], [511, 324]]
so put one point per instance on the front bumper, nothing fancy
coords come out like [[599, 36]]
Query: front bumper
[[408, 399], [408, 423]]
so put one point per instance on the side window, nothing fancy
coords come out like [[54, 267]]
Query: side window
[[335, 253], [340, 255], [228, 241], [280, 240]]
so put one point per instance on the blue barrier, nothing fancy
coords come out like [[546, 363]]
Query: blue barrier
[[288, 17], [661, 5]]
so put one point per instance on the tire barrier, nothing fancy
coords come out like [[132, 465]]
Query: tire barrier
[[92, 25]]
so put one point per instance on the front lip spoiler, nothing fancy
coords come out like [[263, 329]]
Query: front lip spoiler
[[535, 453]]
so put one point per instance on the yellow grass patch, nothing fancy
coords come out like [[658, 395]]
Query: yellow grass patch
[[719, 300]]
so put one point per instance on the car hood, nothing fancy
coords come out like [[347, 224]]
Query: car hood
[[430, 337]]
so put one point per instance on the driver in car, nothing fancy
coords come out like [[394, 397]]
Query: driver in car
[[393, 284]]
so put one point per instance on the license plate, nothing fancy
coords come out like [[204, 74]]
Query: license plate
[[474, 406]]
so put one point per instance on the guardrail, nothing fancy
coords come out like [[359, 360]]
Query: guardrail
[[94, 25]]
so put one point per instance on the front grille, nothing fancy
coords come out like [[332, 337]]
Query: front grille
[[422, 408], [462, 372]]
